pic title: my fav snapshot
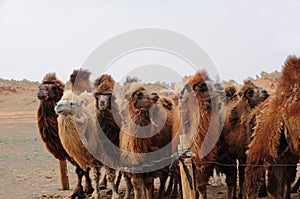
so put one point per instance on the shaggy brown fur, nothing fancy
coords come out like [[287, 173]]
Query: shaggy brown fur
[[78, 134], [276, 136], [107, 112], [198, 113], [50, 92], [138, 120], [80, 81], [235, 137]]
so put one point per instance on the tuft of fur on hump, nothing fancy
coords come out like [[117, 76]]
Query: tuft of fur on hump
[[290, 75], [51, 78], [231, 92], [200, 76], [104, 84], [80, 81]]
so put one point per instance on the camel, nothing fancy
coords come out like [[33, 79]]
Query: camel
[[49, 93], [146, 128], [198, 118], [276, 138], [235, 137], [79, 135]]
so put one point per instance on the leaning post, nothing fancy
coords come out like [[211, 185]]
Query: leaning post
[[188, 192], [64, 179]]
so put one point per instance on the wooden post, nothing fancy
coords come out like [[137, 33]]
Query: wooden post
[[187, 192], [64, 179]]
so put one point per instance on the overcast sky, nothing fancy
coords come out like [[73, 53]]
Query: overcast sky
[[242, 38]]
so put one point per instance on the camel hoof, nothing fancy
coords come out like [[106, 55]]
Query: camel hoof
[[115, 196], [262, 193], [95, 196], [102, 187], [78, 194], [88, 190], [294, 190]]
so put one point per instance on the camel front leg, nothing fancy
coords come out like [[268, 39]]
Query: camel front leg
[[296, 186], [149, 187], [96, 179], [88, 188], [137, 187], [111, 176], [128, 186], [78, 191]]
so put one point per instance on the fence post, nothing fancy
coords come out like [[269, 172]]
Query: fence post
[[64, 179], [187, 192]]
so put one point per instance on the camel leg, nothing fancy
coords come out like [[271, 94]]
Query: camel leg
[[137, 187], [119, 180], [88, 188], [103, 183], [231, 178], [149, 187], [170, 185], [241, 181], [262, 192], [78, 191], [290, 178], [111, 176], [128, 187], [202, 192], [163, 180], [96, 179], [296, 186], [177, 181], [277, 181]]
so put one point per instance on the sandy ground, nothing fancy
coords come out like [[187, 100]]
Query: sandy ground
[[27, 170]]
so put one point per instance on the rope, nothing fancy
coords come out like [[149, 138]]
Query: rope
[[187, 173]]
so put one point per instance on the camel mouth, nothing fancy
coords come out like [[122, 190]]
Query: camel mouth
[[102, 108], [59, 108], [42, 95]]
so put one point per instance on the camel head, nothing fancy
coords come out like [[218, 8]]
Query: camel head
[[70, 104], [141, 99], [51, 88], [253, 94], [201, 85], [104, 92]]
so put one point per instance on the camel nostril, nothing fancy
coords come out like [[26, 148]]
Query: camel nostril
[[102, 103]]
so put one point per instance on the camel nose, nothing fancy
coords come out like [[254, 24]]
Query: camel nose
[[102, 103], [41, 94], [59, 108]]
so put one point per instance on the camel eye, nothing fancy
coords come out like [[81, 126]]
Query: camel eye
[[139, 95], [249, 93], [201, 87], [72, 104]]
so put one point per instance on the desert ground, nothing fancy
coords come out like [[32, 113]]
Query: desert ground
[[27, 170]]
